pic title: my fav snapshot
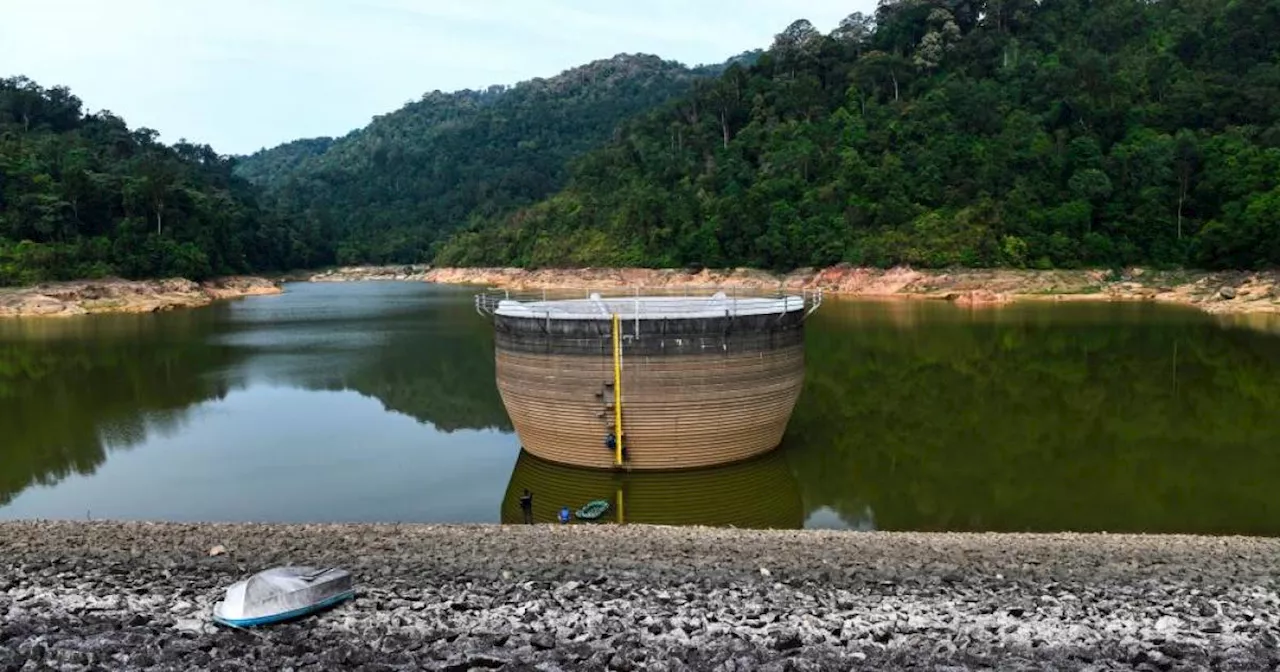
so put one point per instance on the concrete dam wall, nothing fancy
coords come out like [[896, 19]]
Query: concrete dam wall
[[650, 382]]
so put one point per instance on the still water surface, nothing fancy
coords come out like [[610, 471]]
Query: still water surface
[[376, 402]]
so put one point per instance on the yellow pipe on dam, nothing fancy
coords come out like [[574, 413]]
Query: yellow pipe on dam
[[617, 390]]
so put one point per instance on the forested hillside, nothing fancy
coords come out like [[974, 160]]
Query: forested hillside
[[272, 166], [1059, 133], [387, 192], [1000, 132], [82, 195]]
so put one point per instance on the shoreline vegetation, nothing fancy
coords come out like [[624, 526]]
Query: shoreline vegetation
[[78, 595], [1215, 292]]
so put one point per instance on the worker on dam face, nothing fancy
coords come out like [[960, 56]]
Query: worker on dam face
[[526, 506]]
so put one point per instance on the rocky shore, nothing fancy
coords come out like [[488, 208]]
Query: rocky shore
[[1228, 292], [113, 295], [1225, 293], [80, 596], [415, 272]]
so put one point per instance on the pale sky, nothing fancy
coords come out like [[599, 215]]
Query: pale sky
[[244, 74]]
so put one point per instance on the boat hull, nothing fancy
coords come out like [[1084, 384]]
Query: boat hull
[[282, 593], [283, 616]]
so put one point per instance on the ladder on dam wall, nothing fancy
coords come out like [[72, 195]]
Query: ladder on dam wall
[[612, 412]]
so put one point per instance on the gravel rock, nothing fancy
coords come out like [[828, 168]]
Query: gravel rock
[[100, 595], [787, 641]]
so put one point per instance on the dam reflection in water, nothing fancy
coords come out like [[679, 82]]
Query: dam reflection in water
[[759, 493]]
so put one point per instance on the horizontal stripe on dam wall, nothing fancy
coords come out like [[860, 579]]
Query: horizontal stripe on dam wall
[[760, 494], [650, 336], [679, 411]]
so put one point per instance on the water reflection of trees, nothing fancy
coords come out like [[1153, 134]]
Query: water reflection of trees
[[1100, 417], [70, 390], [436, 365]]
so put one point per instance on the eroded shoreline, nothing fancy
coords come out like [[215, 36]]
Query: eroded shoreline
[[113, 295], [1226, 292], [136, 596], [1221, 293]]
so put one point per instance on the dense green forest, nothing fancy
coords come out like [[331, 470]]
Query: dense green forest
[[83, 195], [275, 165], [944, 132], [1016, 133], [387, 192]]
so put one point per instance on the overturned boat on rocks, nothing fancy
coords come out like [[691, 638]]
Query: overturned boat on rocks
[[281, 594]]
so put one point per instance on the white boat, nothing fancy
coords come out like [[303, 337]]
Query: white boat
[[282, 593]]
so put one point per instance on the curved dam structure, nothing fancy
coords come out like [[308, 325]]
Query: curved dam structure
[[650, 382]]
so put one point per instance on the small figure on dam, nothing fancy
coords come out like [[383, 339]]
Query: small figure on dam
[[526, 506], [611, 442]]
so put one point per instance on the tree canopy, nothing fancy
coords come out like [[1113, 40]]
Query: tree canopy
[[1058, 133], [83, 195], [1044, 134], [386, 193]]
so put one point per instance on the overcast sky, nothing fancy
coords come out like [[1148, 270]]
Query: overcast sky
[[244, 74]]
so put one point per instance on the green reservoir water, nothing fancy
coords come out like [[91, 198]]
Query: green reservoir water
[[377, 402]]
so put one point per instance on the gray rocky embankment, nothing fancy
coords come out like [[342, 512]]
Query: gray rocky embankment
[[80, 596]]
